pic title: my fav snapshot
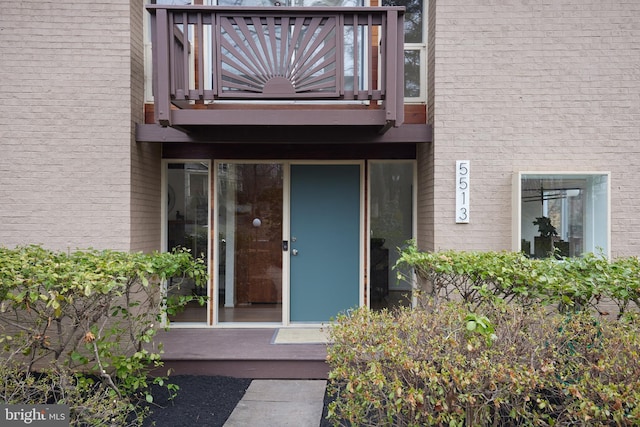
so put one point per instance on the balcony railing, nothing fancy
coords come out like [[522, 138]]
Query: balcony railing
[[277, 66]]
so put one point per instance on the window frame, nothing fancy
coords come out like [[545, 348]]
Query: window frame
[[517, 205], [421, 48]]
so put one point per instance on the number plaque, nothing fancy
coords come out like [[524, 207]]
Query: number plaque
[[462, 191]]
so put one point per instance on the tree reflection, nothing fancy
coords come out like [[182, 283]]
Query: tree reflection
[[411, 73], [412, 18]]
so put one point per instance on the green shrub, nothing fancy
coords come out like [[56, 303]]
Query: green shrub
[[431, 366], [91, 313], [571, 284], [476, 276]]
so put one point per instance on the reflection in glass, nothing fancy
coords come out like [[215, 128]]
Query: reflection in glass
[[412, 73], [576, 207], [414, 45], [413, 19], [391, 226], [188, 226]]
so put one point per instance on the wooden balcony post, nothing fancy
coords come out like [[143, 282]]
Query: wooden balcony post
[[391, 65], [162, 68], [399, 81]]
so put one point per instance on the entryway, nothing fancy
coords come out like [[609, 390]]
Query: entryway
[[289, 241]]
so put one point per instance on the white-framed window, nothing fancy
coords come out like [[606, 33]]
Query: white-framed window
[[415, 49], [562, 213]]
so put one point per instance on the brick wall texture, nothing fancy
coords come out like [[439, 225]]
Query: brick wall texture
[[71, 175], [519, 85], [145, 158]]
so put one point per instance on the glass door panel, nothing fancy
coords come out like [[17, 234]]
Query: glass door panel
[[249, 198], [188, 227], [391, 219]]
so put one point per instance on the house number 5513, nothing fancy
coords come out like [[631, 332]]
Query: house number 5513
[[462, 191]]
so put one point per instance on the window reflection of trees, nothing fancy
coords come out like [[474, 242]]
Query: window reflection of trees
[[412, 73], [413, 33], [412, 18]]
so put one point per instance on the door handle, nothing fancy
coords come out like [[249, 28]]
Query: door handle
[[294, 252]]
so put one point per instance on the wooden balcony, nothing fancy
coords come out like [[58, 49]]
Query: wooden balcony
[[277, 66]]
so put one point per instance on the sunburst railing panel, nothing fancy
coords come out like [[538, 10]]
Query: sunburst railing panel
[[278, 56]]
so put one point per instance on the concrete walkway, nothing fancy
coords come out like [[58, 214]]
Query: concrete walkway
[[269, 403]]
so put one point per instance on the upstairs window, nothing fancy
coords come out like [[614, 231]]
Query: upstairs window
[[415, 48]]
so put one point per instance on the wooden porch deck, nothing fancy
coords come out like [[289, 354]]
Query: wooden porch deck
[[241, 353]]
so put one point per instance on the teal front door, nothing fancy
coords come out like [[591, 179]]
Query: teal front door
[[325, 241]]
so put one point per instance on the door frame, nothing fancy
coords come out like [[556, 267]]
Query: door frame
[[286, 236]]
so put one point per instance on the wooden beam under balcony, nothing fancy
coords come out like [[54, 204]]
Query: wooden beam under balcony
[[231, 134], [278, 117], [340, 66]]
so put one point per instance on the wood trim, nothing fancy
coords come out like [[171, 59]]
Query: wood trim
[[289, 151], [295, 135], [413, 113]]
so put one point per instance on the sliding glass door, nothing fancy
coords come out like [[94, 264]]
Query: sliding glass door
[[250, 215]]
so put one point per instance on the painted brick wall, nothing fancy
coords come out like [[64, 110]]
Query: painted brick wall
[[66, 126], [145, 158], [426, 181], [523, 85]]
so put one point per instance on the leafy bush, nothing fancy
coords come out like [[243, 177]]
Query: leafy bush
[[486, 345], [475, 276], [440, 366], [588, 282], [94, 312]]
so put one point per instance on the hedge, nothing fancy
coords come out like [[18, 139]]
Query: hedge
[[85, 320]]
